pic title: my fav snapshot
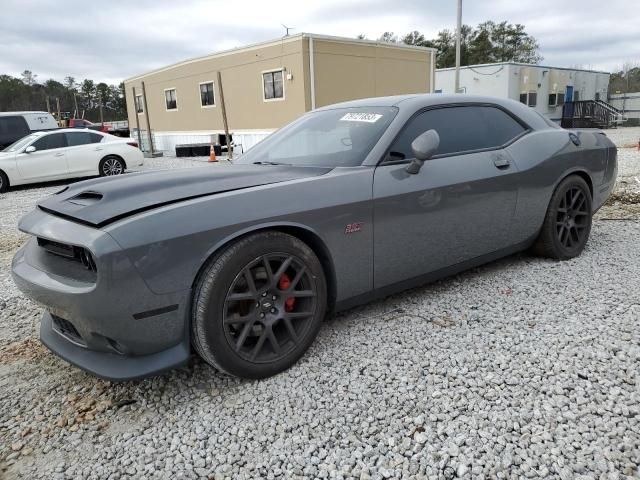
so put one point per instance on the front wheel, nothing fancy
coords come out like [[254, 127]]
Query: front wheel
[[110, 166], [4, 182], [258, 305], [567, 224]]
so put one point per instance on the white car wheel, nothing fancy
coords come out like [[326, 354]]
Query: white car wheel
[[110, 166]]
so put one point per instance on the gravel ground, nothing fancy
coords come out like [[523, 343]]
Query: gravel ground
[[524, 368]]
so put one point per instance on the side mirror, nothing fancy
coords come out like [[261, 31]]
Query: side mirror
[[423, 148], [30, 149]]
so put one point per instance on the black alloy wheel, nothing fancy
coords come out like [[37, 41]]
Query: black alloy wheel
[[258, 305], [269, 307], [567, 223], [572, 218]]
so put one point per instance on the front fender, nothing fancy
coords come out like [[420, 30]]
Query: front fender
[[169, 245]]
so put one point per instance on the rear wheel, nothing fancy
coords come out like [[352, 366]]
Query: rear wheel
[[110, 166], [258, 305], [4, 182], [567, 223]]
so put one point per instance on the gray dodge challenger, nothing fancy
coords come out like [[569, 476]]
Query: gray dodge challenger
[[348, 203]]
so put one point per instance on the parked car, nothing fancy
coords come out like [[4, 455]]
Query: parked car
[[82, 123], [348, 203], [15, 125], [66, 153]]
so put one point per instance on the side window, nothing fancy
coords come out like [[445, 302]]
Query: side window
[[170, 99], [95, 137], [75, 139], [49, 142], [461, 129], [272, 85], [207, 98], [139, 104]]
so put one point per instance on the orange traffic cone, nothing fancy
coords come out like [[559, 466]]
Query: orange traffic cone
[[212, 154]]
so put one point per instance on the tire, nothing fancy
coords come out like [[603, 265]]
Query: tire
[[4, 182], [111, 165], [567, 223], [251, 321]]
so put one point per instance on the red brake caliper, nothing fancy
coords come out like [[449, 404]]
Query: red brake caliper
[[283, 284]]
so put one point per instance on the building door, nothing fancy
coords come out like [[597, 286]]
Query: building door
[[568, 97]]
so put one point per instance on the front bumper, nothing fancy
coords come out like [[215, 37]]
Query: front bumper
[[107, 322], [111, 366]]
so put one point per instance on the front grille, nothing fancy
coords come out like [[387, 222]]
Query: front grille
[[67, 330], [70, 252]]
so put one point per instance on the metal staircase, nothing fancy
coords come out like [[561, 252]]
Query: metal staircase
[[591, 114]]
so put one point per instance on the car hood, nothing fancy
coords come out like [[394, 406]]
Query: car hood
[[104, 200]]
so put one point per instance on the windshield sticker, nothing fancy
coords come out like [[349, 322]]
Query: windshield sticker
[[361, 117]]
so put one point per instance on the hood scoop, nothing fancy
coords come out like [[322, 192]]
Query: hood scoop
[[86, 198], [101, 201]]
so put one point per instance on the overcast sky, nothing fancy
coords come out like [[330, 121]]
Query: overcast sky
[[115, 39]]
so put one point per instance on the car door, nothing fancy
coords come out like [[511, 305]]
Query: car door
[[83, 152], [460, 204], [47, 162]]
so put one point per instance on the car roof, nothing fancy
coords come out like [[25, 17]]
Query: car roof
[[416, 102], [63, 130], [6, 114], [424, 99]]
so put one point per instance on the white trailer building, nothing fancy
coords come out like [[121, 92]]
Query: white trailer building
[[541, 87]]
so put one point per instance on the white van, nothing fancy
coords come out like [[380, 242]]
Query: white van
[[15, 125]]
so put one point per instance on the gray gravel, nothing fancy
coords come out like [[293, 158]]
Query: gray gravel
[[524, 368]]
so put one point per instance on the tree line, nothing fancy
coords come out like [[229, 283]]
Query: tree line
[[26, 93], [489, 42], [626, 79]]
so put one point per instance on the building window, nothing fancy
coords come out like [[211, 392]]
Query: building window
[[576, 96], [556, 99], [139, 104], [170, 99], [273, 85], [530, 99], [207, 98]]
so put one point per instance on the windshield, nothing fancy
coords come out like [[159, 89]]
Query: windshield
[[342, 137], [20, 144]]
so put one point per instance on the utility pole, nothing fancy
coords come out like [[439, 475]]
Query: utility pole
[[135, 107], [224, 118], [146, 115], [458, 41], [59, 115], [75, 101]]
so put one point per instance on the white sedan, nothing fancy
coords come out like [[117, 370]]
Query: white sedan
[[66, 153]]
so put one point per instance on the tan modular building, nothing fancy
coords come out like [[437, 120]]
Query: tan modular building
[[267, 85]]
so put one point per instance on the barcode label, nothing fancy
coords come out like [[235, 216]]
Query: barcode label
[[361, 117]]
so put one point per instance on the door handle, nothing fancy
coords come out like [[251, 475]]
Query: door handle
[[501, 161], [99, 149], [59, 154]]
